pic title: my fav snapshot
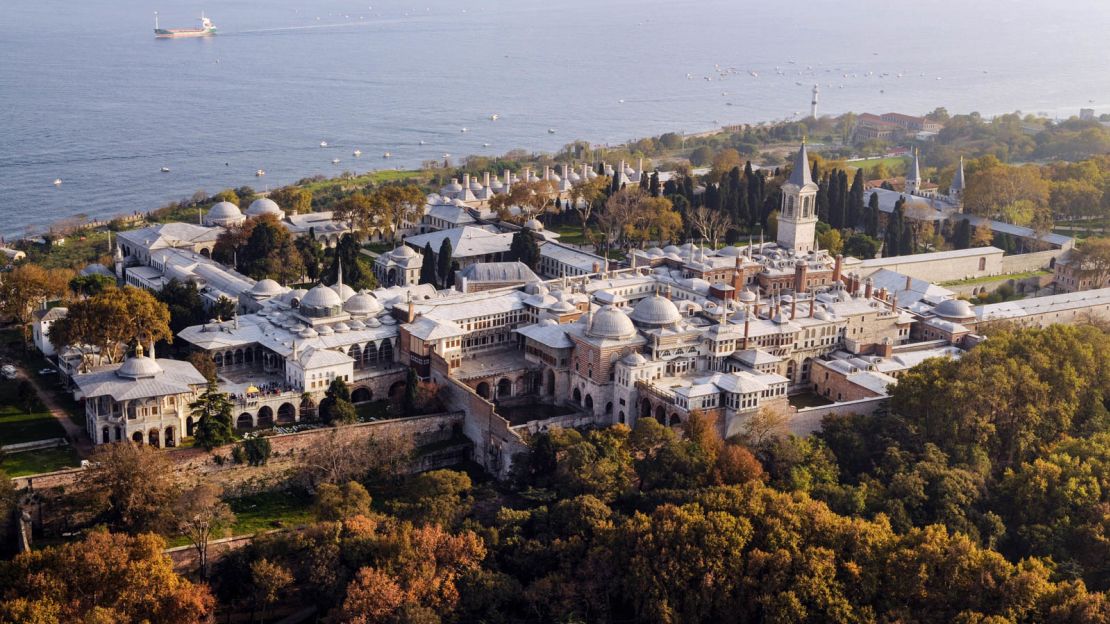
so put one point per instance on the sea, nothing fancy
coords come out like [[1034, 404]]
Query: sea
[[90, 97]]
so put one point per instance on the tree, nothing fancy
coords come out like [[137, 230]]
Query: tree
[[113, 320], [991, 191], [335, 502], [226, 195], [347, 455], [129, 486], [204, 364], [336, 407], [184, 303], [91, 284], [269, 252], [872, 224], [268, 580], [830, 241], [360, 212], [212, 412], [103, 578], [394, 205], [524, 249], [201, 514], [982, 235], [312, 254], [292, 199], [428, 267], [27, 287], [861, 246], [9, 499], [443, 267], [586, 196], [347, 253], [710, 225], [1092, 257], [701, 156]]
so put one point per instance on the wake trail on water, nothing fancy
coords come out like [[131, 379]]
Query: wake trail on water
[[308, 27]]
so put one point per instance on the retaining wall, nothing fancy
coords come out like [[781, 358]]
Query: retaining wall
[[808, 419]]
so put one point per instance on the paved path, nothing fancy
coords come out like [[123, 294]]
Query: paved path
[[74, 433]]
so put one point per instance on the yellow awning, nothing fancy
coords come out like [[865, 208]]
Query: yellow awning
[[252, 390]]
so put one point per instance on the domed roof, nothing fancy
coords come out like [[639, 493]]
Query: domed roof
[[224, 210], [266, 288], [954, 309], [356, 324], [263, 205], [324, 330], [307, 332], [731, 250], [562, 307], [344, 291], [609, 322], [453, 187], [139, 367], [656, 310], [655, 251], [362, 304], [669, 249], [475, 185], [496, 184], [321, 297], [338, 328], [634, 359], [747, 296], [404, 251], [534, 225]]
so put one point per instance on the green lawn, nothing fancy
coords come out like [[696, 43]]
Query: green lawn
[[995, 278], [16, 425], [37, 462], [371, 177], [270, 510]]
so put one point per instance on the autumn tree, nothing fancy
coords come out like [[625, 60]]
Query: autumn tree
[[585, 197], [1002, 191], [338, 502], [103, 578], [292, 199], [201, 514], [129, 486], [27, 287], [114, 320], [1092, 257], [396, 204]]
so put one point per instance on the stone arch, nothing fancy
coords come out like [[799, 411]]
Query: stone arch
[[286, 414], [483, 390], [154, 437], [189, 426], [661, 414], [675, 420], [391, 277], [577, 396], [645, 409], [356, 354], [385, 351], [171, 436], [238, 356], [550, 382], [791, 369], [620, 416], [370, 353], [137, 437], [245, 421], [504, 388], [609, 407], [266, 416], [397, 392], [218, 359], [362, 395], [589, 403], [204, 252], [105, 435]]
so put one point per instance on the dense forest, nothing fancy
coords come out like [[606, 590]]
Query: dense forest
[[980, 495]]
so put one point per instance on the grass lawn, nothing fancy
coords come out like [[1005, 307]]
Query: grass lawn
[[572, 234], [895, 164], [270, 510], [17, 426], [378, 248], [371, 177], [80, 249], [37, 462], [995, 278]]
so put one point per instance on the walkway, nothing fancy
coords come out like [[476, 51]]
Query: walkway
[[74, 433]]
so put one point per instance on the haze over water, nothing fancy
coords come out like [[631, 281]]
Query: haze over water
[[89, 96]]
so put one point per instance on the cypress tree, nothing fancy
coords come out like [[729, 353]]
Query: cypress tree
[[855, 201], [895, 230], [443, 262], [653, 187], [644, 182], [962, 238], [823, 200], [873, 215], [844, 199], [428, 266]]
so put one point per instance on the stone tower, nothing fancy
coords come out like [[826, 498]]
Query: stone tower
[[813, 104], [913, 176], [798, 212], [956, 189]]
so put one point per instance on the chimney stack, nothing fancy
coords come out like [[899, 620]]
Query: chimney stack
[[546, 173], [747, 322], [837, 268], [909, 282], [412, 312], [794, 307], [800, 269], [485, 180], [868, 287]]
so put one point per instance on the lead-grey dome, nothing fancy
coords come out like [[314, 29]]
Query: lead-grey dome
[[266, 288], [656, 310], [224, 210], [609, 322], [362, 304], [264, 205], [321, 297], [139, 367], [954, 309]]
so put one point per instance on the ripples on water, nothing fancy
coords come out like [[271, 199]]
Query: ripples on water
[[88, 95]]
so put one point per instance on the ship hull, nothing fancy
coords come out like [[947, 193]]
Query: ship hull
[[182, 33]]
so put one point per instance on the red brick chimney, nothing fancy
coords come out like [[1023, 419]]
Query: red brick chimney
[[837, 268], [800, 270]]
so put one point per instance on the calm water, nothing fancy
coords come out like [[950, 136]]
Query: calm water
[[89, 96]]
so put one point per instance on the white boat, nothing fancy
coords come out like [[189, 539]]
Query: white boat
[[386, 155], [485, 144], [422, 142], [494, 117], [621, 101], [551, 130], [335, 161], [165, 169], [464, 130], [323, 143], [57, 181], [259, 173], [357, 153]]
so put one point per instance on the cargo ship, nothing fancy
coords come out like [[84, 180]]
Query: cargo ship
[[207, 29]]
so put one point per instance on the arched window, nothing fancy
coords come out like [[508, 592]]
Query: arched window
[[385, 352], [577, 396]]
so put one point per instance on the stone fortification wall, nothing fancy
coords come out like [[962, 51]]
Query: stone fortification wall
[[808, 419]]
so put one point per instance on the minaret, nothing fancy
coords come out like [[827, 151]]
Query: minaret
[[339, 276], [119, 262], [956, 189], [813, 103], [798, 212], [913, 177]]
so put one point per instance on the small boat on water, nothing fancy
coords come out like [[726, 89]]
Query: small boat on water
[[259, 173], [207, 29], [357, 153], [422, 142], [464, 130], [386, 155], [335, 161], [165, 169], [323, 143], [551, 130], [57, 181], [494, 117]]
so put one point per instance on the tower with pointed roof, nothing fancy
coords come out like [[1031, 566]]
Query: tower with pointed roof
[[797, 225], [956, 189], [913, 176]]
